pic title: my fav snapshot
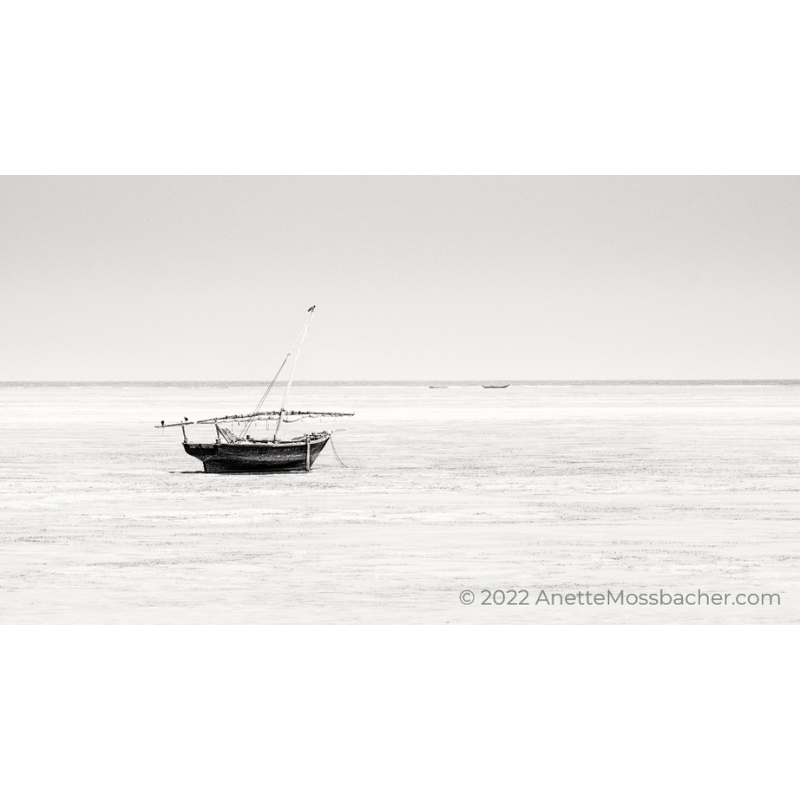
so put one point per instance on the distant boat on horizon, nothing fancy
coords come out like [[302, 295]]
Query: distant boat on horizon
[[496, 385], [437, 387]]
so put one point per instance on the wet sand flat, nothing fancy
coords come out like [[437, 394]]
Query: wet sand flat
[[554, 488]]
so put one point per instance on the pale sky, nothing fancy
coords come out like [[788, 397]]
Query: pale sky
[[413, 278]]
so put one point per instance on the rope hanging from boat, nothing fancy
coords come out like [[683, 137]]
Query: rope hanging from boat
[[333, 447]]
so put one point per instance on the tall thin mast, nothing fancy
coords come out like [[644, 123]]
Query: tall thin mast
[[291, 375]]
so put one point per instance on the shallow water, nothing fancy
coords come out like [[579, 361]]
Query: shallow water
[[559, 487]]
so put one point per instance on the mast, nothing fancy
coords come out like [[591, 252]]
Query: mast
[[291, 374]]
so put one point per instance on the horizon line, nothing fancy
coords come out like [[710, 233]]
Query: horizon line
[[440, 381]]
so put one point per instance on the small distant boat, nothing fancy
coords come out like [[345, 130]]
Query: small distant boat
[[437, 387], [240, 452], [496, 385]]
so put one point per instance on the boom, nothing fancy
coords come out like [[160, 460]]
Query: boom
[[259, 415]]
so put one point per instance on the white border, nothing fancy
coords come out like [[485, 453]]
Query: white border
[[627, 712], [431, 87]]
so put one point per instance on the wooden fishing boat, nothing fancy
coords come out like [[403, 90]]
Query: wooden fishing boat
[[240, 452], [258, 455], [496, 385]]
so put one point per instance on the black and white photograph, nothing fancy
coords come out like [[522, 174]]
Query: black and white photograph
[[399, 400]]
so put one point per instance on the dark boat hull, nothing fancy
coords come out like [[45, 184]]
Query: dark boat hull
[[298, 454]]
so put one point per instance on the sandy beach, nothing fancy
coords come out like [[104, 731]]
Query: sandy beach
[[561, 488]]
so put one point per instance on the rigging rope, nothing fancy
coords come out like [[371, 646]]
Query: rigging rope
[[333, 446], [300, 341], [269, 388]]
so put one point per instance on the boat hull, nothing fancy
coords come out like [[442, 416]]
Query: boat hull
[[288, 456]]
